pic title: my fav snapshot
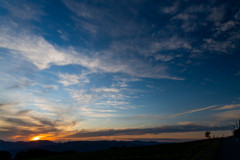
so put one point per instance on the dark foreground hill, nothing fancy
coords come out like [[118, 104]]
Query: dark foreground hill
[[6, 145], [78, 146], [195, 150]]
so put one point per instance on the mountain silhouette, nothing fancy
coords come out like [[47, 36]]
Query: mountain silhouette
[[78, 146]]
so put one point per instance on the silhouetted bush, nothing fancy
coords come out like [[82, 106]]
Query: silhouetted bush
[[236, 132], [68, 152], [5, 155], [114, 147], [207, 134], [36, 153], [236, 129]]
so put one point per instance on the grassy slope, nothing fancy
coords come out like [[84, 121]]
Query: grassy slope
[[202, 149]]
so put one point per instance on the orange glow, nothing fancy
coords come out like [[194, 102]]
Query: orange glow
[[36, 138], [49, 137]]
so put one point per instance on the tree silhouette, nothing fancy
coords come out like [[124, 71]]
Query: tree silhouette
[[37, 153], [236, 129], [207, 134], [5, 155]]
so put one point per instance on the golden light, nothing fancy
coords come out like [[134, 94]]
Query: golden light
[[35, 138], [41, 137]]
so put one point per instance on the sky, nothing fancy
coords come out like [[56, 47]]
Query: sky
[[118, 70]]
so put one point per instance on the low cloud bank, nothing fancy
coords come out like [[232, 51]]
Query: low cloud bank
[[143, 131]]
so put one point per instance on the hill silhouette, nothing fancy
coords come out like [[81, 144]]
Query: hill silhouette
[[78, 146], [201, 149]]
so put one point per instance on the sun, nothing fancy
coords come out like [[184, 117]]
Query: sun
[[35, 138]]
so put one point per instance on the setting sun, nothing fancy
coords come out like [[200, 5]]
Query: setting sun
[[35, 138]]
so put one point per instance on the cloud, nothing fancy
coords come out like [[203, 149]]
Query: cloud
[[80, 96], [191, 111], [207, 79], [227, 116], [189, 26], [25, 122], [26, 11], [142, 131], [237, 74], [105, 90], [172, 43], [231, 106], [225, 26], [63, 34], [197, 9], [68, 79], [217, 14], [36, 50], [82, 9], [33, 48], [112, 103], [50, 87], [184, 16], [237, 15], [105, 110], [123, 82], [164, 58], [219, 46], [103, 20], [172, 9], [150, 86], [21, 82], [17, 122], [170, 116]]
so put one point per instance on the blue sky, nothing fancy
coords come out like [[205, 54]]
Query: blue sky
[[92, 70]]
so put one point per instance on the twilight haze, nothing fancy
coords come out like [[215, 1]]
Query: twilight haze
[[118, 70]]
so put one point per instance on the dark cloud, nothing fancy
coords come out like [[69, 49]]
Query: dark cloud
[[22, 112], [9, 132], [44, 121], [18, 122], [143, 131], [4, 104], [159, 139]]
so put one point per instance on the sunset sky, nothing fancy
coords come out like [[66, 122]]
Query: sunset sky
[[118, 70]]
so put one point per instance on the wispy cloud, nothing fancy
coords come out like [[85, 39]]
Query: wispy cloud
[[191, 111], [164, 58], [50, 87], [142, 131], [16, 82], [219, 46], [63, 34], [172, 9], [26, 11], [105, 90], [217, 14], [232, 106], [68, 79], [184, 16], [123, 82], [80, 96], [227, 116], [35, 49], [237, 74]]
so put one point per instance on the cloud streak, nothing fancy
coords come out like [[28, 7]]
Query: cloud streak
[[231, 106], [143, 131], [188, 112]]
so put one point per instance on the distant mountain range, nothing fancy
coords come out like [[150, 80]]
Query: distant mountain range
[[79, 146]]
